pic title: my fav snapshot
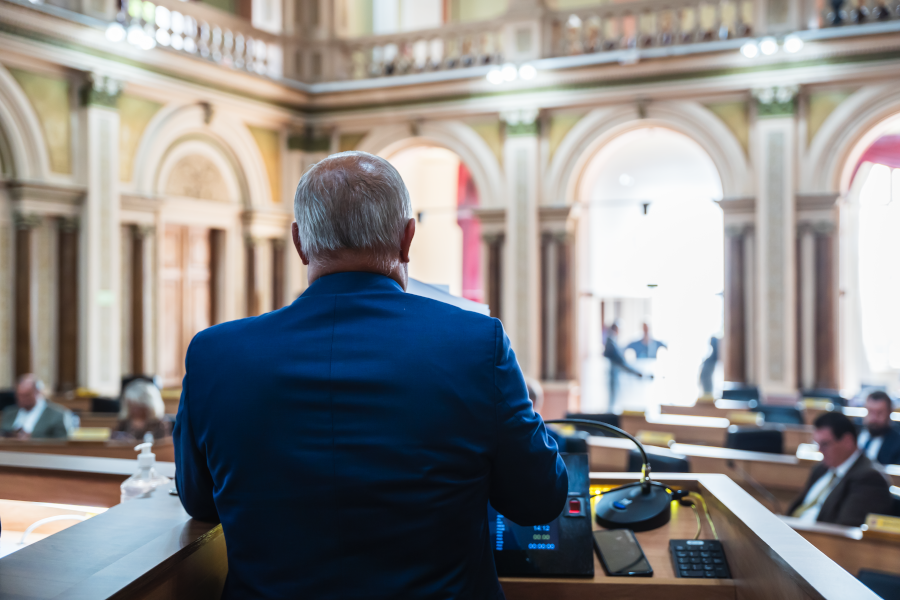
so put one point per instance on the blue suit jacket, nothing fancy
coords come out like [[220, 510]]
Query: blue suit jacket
[[350, 442], [889, 454]]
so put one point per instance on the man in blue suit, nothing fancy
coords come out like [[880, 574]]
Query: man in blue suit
[[350, 442], [879, 439]]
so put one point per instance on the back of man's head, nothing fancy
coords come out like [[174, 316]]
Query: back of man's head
[[351, 201]]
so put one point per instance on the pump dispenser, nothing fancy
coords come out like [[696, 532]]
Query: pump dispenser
[[142, 483]]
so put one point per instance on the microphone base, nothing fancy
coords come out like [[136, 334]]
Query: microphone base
[[629, 507]]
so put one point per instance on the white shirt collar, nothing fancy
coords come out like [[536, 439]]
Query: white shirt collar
[[842, 468], [27, 419]]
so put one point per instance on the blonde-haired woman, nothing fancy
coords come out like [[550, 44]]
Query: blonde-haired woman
[[142, 413]]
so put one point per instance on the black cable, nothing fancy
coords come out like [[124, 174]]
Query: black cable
[[645, 473]]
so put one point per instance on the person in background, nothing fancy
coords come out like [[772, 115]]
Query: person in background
[[142, 413], [879, 440], [709, 367], [33, 416], [646, 347], [617, 364], [845, 487]]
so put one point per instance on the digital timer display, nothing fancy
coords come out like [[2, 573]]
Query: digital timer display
[[506, 535]]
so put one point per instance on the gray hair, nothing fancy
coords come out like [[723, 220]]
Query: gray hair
[[143, 393], [352, 201]]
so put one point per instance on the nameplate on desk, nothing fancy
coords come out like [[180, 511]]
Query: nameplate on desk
[[706, 400], [655, 438], [744, 418], [633, 413], [882, 527], [818, 404], [91, 434]]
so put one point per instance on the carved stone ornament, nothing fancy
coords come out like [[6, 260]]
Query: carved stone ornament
[[521, 121], [196, 176], [26, 220], [775, 101], [101, 90]]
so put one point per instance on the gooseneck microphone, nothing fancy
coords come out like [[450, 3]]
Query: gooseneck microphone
[[640, 506]]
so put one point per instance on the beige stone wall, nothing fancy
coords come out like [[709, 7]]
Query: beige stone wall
[[269, 143], [50, 98], [134, 115]]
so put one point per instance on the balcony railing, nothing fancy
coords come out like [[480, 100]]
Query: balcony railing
[[195, 29], [648, 23], [453, 47]]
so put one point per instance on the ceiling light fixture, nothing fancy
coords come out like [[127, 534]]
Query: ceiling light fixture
[[115, 32], [750, 49], [793, 44], [768, 46]]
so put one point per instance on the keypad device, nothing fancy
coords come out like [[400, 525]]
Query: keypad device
[[700, 559]]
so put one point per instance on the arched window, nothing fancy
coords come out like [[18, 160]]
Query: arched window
[[654, 255]]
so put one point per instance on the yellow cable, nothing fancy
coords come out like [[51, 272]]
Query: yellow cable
[[706, 511]]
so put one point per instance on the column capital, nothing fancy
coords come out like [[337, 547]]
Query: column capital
[[775, 101], [521, 121], [493, 237], [101, 90], [24, 221], [310, 140], [142, 231], [68, 224]]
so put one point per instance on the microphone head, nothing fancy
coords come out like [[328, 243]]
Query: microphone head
[[634, 507]]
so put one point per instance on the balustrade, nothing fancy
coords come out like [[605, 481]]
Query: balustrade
[[417, 52], [199, 30], [648, 23]]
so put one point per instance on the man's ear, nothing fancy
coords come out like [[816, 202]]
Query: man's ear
[[295, 235], [406, 240]]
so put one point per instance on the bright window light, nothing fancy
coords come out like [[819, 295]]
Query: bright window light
[[750, 49], [792, 44], [510, 72], [879, 255], [115, 32], [135, 34], [768, 46]]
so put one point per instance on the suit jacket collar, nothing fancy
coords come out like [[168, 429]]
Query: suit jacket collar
[[351, 282], [829, 507]]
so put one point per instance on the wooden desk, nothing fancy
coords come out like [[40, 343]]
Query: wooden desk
[[719, 408], [82, 480], [847, 547], [150, 549], [164, 449], [708, 431]]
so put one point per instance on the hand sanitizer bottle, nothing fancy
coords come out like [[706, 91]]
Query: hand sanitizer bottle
[[142, 483]]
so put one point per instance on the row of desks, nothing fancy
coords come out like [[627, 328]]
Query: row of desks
[[706, 430], [723, 408], [773, 471], [152, 549]]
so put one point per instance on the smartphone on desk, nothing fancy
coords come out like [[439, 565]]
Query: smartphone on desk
[[620, 554]]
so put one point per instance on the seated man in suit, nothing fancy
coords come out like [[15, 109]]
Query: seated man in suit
[[879, 439], [33, 416], [845, 487], [350, 442]]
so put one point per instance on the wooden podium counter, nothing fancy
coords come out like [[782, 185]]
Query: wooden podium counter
[[148, 549]]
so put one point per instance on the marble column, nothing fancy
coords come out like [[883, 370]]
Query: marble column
[[259, 276], [493, 242], [24, 343], [775, 159], [557, 294], [99, 302], [278, 273], [67, 289], [826, 295], [521, 304], [735, 360], [738, 343]]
